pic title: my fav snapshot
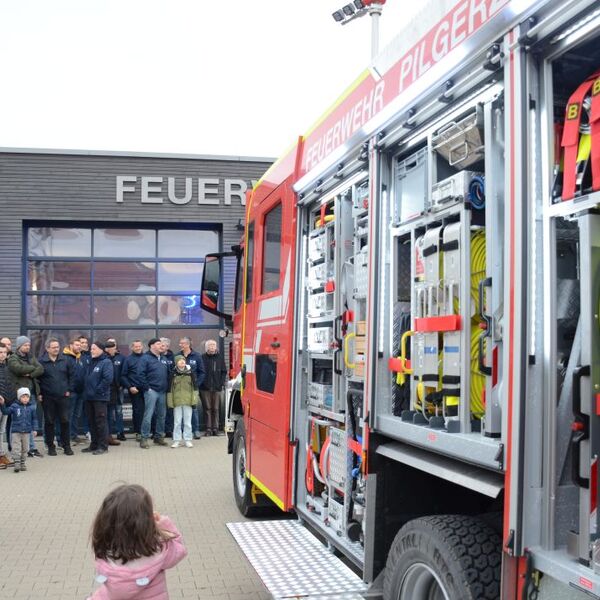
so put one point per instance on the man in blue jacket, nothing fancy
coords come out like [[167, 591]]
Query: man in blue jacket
[[154, 377], [98, 377], [57, 383], [132, 384]]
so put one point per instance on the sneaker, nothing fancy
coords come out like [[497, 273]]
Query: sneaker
[[88, 449], [68, 451], [78, 440], [99, 451], [189, 444], [5, 461], [51, 451], [17, 469], [121, 437], [112, 442], [35, 452], [144, 444], [175, 445], [196, 435], [138, 437], [160, 441], [23, 467]]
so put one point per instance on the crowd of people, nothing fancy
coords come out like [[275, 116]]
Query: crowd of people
[[76, 396]]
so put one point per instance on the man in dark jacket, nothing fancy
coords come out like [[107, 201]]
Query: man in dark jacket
[[212, 386], [115, 406], [25, 370], [72, 353], [98, 378], [154, 375], [132, 383], [57, 383], [193, 359]]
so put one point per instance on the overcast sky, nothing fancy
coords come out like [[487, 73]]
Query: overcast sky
[[237, 77]]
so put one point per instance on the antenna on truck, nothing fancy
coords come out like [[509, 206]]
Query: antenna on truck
[[360, 8]]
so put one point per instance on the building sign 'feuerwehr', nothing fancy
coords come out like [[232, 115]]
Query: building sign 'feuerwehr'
[[200, 190]]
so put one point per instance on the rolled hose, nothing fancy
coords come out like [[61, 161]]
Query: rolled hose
[[477, 192], [477, 387]]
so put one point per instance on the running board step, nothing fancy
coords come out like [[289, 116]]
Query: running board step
[[293, 563]]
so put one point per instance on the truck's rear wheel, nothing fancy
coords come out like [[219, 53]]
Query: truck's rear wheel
[[444, 557], [242, 486]]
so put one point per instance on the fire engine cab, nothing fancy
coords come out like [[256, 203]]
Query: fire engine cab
[[416, 333]]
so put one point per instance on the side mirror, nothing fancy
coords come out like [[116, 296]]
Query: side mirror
[[210, 291]]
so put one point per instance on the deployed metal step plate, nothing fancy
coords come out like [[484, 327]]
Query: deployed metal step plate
[[293, 563]]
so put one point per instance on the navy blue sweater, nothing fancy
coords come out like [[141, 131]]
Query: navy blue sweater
[[154, 372], [130, 371], [197, 364], [98, 379]]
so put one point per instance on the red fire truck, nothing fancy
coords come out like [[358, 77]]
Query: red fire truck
[[416, 334]]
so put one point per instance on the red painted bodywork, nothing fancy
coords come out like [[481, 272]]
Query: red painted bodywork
[[270, 452]]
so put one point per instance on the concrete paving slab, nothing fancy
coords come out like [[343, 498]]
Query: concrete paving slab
[[47, 513]]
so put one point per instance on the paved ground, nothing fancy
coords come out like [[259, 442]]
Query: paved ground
[[47, 512]]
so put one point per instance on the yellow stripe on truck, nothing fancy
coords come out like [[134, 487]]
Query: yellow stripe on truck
[[340, 100], [268, 493]]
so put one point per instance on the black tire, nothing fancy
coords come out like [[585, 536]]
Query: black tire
[[242, 486], [444, 557]]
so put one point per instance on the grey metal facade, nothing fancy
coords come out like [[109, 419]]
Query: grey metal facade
[[71, 188]]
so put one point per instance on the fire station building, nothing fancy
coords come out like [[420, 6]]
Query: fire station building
[[105, 243]]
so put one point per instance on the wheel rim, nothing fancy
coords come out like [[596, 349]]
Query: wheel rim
[[421, 582], [240, 472]]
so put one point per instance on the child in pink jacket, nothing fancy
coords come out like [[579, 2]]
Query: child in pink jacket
[[133, 546]]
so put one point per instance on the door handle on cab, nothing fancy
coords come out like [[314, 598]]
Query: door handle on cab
[[275, 344]]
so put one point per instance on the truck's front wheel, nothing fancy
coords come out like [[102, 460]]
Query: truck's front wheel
[[444, 557], [242, 486]]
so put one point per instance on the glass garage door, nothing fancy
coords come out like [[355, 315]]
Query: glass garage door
[[126, 282]]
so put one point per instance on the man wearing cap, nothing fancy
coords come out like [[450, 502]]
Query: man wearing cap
[[25, 370], [98, 377], [57, 383], [154, 378]]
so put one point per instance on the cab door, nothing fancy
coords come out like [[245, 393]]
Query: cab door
[[267, 345]]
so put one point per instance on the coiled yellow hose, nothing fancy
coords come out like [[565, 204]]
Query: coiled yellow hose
[[477, 274]]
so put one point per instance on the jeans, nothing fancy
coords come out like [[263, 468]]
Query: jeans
[[96, 414], [115, 416], [195, 420], [169, 420], [3, 419], [182, 413], [154, 401], [75, 410], [40, 419]]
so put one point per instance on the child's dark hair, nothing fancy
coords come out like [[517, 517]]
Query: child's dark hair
[[124, 528]]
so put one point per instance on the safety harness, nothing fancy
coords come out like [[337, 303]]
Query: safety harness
[[580, 142]]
